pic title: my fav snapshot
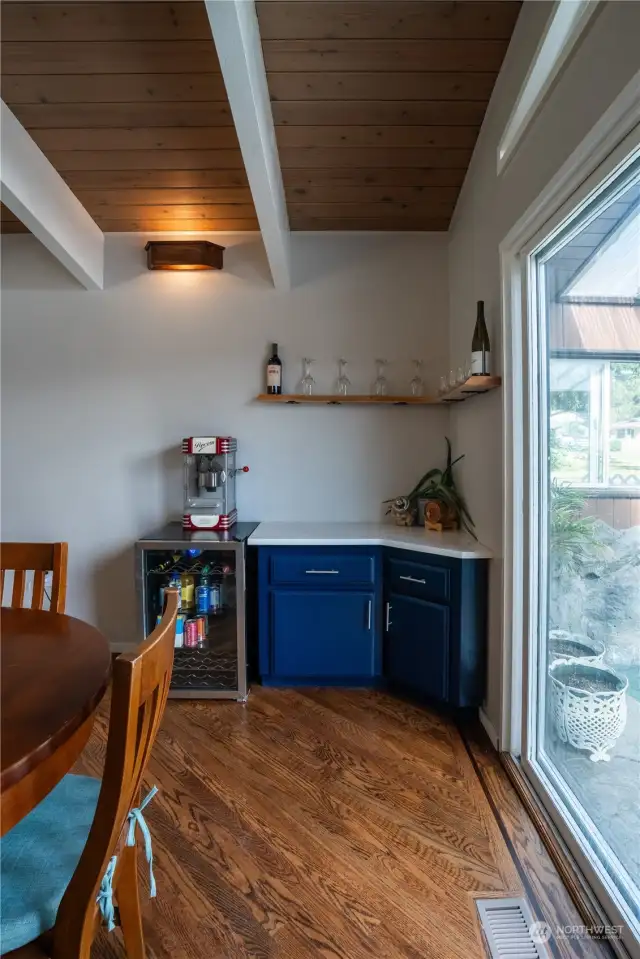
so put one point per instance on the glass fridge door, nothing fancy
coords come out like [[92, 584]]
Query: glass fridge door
[[209, 654]]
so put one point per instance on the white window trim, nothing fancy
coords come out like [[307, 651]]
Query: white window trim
[[566, 25], [617, 123], [597, 157], [547, 780]]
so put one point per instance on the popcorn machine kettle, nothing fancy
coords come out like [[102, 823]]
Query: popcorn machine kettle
[[210, 482]]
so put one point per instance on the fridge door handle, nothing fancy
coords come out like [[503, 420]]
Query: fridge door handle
[[369, 607], [388, 619]]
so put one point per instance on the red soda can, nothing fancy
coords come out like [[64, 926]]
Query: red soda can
[[201, 623], [191, 633]]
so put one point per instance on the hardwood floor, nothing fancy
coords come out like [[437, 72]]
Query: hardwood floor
[[342, 824]]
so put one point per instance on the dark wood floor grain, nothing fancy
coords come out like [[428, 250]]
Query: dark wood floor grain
[[338, 824]]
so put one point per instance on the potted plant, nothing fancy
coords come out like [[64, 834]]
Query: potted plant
[[445, 507], [589, 706], [565, 646]]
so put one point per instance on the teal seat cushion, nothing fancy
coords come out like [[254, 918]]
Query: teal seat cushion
[[38, 858]]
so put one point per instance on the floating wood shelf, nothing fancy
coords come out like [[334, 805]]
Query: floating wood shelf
[[473, 386]]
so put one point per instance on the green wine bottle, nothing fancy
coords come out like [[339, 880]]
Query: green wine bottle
[[480, 346]]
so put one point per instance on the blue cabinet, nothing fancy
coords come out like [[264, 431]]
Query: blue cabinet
[[436, 625], [362, 616], [323, 635], [320, 615], [417, 645]]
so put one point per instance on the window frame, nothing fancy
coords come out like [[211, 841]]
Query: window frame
[[565, 26], [600, 450], [525, 512]]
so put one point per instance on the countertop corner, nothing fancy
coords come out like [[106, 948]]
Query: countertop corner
[[454, 543]]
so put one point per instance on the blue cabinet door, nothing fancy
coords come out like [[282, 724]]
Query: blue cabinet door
[[323, 634], [417, 645]]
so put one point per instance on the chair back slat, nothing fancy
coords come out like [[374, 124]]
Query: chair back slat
[[140, 688], [19, 583], [37, 596], [39, 558]]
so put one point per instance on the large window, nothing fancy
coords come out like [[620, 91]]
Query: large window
[[594, 422], [580, 743]]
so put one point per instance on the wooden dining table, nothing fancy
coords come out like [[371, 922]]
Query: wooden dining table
[[54, 671]]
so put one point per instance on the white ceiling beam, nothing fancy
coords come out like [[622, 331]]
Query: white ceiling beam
[[39, 197], [234, 25]]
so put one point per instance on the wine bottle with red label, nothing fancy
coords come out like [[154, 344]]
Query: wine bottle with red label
[[480, 345], [274, 372]]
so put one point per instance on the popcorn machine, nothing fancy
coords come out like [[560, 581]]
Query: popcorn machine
[[210, 482]]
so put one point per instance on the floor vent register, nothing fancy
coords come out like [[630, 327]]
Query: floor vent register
[[511, 931]]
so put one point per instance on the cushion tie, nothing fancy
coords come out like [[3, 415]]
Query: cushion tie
[[105, 895], [136, 818]]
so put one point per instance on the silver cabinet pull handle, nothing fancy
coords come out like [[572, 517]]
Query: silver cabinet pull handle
[[388, 616], [324, 572], [412, 579], [369, 615]]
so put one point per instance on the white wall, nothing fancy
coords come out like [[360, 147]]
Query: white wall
[[99, 388], [605, 61]]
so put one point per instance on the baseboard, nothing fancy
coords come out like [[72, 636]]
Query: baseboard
[[489, 729]]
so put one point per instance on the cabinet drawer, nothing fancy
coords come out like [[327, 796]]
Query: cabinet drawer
[[321, 570], [420, 580]]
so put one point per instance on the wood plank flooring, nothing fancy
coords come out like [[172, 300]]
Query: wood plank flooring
[[342, 824]]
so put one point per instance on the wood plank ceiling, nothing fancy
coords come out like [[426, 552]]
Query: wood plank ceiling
[[377, 106], [378, 103], [127, 101]]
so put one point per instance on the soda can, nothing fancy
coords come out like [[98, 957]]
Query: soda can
[[201, 622], [179, 640], [214, 597], [158, 619], [191, 633], [202, 599]]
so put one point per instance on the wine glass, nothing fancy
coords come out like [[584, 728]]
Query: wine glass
[[307, 382], [381, 385], [343, 383], [417, 383], [444, 386]]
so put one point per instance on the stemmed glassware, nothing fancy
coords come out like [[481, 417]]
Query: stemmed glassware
[[464, 372], [307, 383], [343, 383], [381, 384], [417, 383]]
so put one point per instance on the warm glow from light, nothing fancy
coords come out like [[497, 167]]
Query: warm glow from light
[[184, 266]]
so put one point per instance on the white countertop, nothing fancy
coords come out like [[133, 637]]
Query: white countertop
[[453, 543]]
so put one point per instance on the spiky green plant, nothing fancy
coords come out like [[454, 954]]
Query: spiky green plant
[[439, 484], [575, 539]]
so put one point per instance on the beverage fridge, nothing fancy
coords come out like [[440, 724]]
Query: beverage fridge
[[208, 568]]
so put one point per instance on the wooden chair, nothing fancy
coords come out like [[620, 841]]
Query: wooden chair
[[139, 693], [40, 558]]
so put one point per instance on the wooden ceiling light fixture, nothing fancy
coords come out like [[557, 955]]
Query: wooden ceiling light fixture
[[184, 255]]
